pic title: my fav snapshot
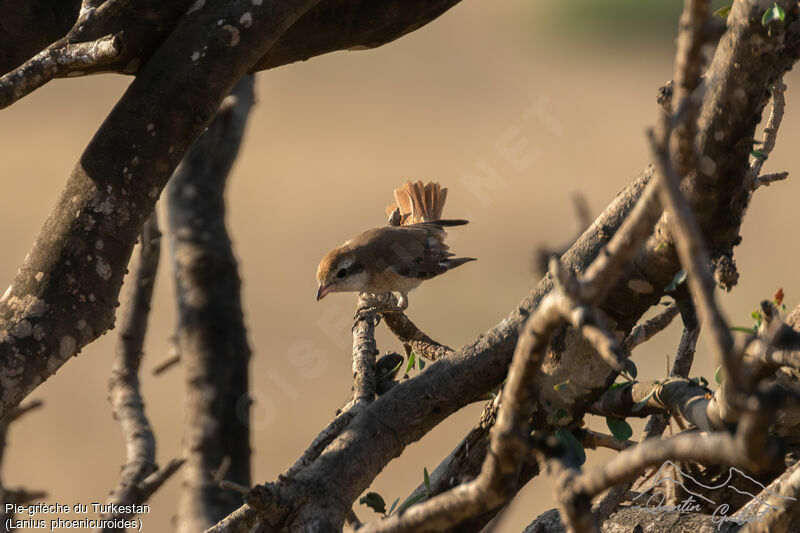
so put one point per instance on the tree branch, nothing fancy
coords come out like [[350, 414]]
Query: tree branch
[[146, 24], [73, 274], [124, 395], [211, 334]]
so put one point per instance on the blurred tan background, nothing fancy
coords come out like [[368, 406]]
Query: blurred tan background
[[571, 86]]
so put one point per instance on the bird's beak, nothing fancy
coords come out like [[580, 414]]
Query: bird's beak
[[322, 291]]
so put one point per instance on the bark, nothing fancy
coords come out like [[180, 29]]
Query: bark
[[211, 334], [739, 76], [125, 396], [738, 79], [31, 25], [75, 269], [65, 294]]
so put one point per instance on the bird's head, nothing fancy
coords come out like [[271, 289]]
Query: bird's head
[[341, 271]]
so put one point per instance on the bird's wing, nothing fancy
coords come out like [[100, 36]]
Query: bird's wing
[[420, 252]]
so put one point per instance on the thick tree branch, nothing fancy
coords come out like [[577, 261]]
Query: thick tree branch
[[510, 441], [66, 291], [509, 445], [211, 334], [145, 24]]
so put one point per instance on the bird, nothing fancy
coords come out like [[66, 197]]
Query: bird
[[395, 258]]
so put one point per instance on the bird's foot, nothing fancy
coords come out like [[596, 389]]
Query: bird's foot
[[382, 302], [371, 312], [364, 313]]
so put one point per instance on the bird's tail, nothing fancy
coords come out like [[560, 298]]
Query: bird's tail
[[454, 262], [418, 203]]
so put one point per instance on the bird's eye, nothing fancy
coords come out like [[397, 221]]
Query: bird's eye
[[342, 273]]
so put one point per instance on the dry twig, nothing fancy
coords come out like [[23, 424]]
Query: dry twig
[[770, 138], [69, 55], [140, 477], [646, 330]]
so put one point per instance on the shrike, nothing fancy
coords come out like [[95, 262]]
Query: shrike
[[395, 258]]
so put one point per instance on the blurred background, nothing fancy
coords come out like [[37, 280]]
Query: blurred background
[[568, 86]]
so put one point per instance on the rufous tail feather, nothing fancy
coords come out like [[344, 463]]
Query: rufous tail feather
[[418, 202]]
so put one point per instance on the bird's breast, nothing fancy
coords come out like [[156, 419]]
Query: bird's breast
[[389, 281]]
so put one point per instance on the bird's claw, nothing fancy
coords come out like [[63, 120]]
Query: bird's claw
[[368, 313], [375, 312]]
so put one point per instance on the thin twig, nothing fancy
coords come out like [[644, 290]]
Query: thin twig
[[609, 265], [166, 363], [22, 410], [124, 395], [646, 330], [694, 257], [770, 137], [594, 439], [413, 339], [685, 354], [765, 180], [236, 487]]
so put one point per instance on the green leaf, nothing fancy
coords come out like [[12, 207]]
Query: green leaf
[[391, 372], [558, 414], [757, 316], [758, 154], [394, 504], [619, 384], [772, 14], [411, 360], [619, 428], [374, 501], [638, 406], [422, 364], [568, 439], [427, 480], [679, 278], [559, 386], [661, 246], [411, 501], [630, 368], [703, 381], [722, 12], [718, 375], [742, 329]]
